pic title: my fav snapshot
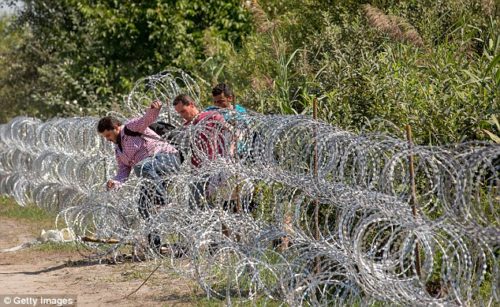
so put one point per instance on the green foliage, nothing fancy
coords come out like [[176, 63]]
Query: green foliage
[[81, 57], [17, 79], [93, 51], [446, 89]]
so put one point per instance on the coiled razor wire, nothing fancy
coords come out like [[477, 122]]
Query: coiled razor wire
[[305, 213]]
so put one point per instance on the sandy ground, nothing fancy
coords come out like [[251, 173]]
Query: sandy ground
[[42, 272]]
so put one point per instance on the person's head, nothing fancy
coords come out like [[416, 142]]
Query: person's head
[[223, 96], [109, 128], [186, 107]]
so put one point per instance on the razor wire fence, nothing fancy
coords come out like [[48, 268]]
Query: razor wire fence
[[298, 211]]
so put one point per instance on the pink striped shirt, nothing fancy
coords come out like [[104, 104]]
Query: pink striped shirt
[[137, 148]]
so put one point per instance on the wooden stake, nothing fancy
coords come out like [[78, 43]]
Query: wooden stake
[[238, 202], [315, 166], [413, 196]]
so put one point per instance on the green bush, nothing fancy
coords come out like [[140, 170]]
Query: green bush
[[86, 55], [430, 64]]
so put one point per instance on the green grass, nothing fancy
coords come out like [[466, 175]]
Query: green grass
[[35, 219], [31, 213], [55, 247]]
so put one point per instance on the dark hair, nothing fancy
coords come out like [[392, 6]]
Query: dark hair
[[184, 99], [222, 88], [107, 123]]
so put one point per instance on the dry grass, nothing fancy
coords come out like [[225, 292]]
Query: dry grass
[[260, 17], [488, 7], [262, 83], [396, 27]]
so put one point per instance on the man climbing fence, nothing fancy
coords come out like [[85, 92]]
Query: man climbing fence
[[139, 148]]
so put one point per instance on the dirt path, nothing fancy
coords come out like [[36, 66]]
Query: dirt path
[[38, 271]]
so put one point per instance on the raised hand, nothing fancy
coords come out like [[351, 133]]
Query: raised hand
[[156, 104]]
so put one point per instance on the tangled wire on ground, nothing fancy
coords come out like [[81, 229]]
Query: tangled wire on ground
[[305, 213]]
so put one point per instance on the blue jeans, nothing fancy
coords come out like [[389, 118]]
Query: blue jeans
[[155, 168], [158, 166]]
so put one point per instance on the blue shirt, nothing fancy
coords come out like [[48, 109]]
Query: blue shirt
[[237, 117], [238, 114]]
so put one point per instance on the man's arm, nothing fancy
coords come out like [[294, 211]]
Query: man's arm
[[140, 124], [123, 172], [121, 176]]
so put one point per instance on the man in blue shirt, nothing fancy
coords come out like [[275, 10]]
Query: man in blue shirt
[[238, 117], [223, 102], [235, 115]]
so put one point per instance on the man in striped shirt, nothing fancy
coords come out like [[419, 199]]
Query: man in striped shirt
[[147, 154], [140, 148]]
